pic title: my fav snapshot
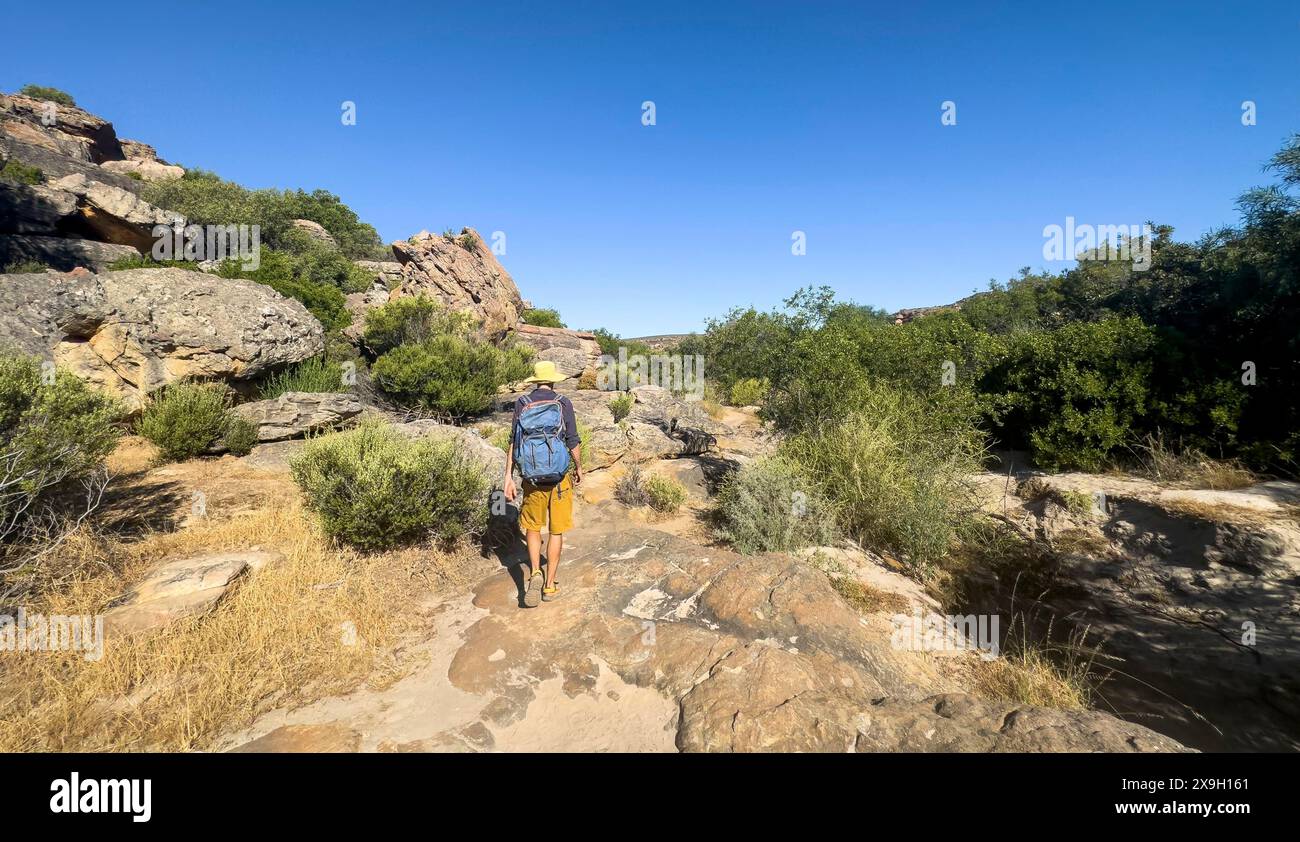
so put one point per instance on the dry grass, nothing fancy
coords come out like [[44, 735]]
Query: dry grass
[[276, 639], [1190, 468], [1214, 512], [867, 599], [1038, 672]]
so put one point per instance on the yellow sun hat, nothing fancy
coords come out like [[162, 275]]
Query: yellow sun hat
[[545, 372]]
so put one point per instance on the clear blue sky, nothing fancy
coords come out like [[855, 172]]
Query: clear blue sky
[[772, 117]]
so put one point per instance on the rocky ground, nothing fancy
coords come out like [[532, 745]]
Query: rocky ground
[[665, 641]]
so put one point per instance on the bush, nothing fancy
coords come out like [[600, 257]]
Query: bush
[[240, 437], [16, 172], [375, 489], [411, 321], [665, 494], [1077, 394], [283, 273], [621, 405], [317, 374], [749, 392], [186, 419], [543, 318], [769, 506], [204, 198], [629, 488], [896, 472], [54, 433], [48, 94], [448, 373]]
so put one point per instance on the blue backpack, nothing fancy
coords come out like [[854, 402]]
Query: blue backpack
[[540, 451]]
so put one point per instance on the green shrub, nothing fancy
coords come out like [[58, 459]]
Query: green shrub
[[375, 489], [317, 374], [204, 198], [896, 472], [410, 321], [54, 433], [543, 318], [186, 419], [240, 437], [665, 494], [48, 94], [467, 241], [448, 373], [26, 267], [16, 172], [769, 506], [621, 405], [749, 392], [282, 272], [1077, 394]]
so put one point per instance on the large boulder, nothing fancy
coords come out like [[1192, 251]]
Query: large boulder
[[147, 170], [315, 231], [115, 215], [463, 274], [60, 253], [295, 414], [134, 331], [574, 352], [73, 131]]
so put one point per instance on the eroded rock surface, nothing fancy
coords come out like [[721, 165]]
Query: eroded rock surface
[[463, 274], [134, 331], [295, 414]]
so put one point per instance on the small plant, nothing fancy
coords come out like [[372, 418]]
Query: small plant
[[27, 267], [240, 437], [749, 391], [665, 494], [16, 172], [630, 489], [467, 241], [769, 506], [186, 419], [134, 174], [48, 94], [449, 235], [375, 489], [313, 375], [621, 405]]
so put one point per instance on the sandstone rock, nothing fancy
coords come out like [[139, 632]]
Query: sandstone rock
[[148, 170], [572, 351], [315, 231], [116, 215], [61, 253], [133, 331], [294, 414], [387, 273], [134, 150], [40, 210], [492, 458], [75, 132], [463, 279], [358, 304], [331, 738], [180, 588], [27, 145]]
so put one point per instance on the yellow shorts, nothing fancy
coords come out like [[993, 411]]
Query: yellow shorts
[[554, 503]]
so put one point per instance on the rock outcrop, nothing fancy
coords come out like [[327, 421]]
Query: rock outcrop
[[134, 331], [67, 129], [1189, 592], [574, 352], [61, 254], [295, 414], [463, 274], [315, 231]]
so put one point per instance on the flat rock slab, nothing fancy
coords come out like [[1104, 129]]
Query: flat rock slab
[[660, 644], [329, 738], [295, 414], [180, 588]]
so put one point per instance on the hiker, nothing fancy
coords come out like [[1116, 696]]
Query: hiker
[[544, 444]]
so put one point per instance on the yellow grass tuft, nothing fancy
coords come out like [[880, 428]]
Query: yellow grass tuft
[[276, 639]]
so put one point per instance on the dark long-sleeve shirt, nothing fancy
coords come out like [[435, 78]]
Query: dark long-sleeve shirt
[[541, 393]]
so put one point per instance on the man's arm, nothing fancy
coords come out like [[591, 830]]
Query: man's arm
[[572, 439], [509, 486]]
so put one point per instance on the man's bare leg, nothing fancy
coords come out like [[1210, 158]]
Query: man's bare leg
[[554, 546], [534, 554]]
